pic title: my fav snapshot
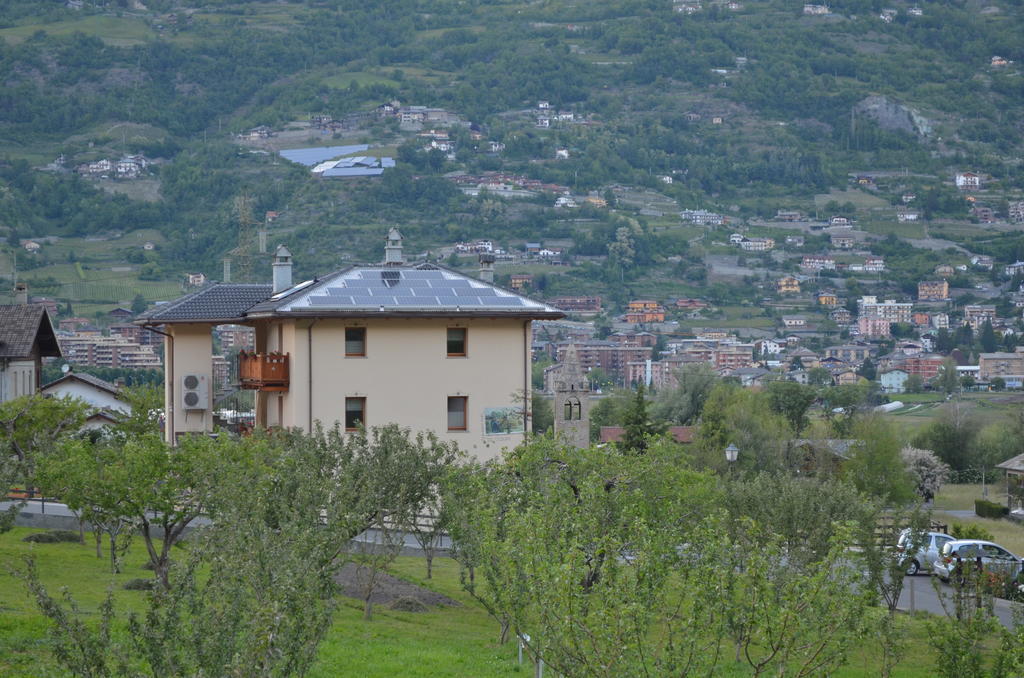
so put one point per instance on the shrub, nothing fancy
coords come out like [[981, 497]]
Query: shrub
[[54, 537], [990, 509], [139, 585], [408, 604], [971, 531]]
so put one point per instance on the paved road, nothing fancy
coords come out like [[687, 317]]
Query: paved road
[[922, 593]]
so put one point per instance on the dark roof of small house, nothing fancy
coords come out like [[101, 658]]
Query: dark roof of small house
[[21, 326], [1013, 464], [221, 302], [614, 434], [86, 379]]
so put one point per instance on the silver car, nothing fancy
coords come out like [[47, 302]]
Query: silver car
[[929, 547], [994, 558]]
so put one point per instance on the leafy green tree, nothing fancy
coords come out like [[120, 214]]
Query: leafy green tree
[[31, 428], [640, 426], [914, 383], [683, 404], [867, 370], [742, 417], [948, 381], [988, 340], [876, 467], [139, 304], [543, 415], [791, 400]]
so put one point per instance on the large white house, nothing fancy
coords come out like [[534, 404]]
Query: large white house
[[422, 346]]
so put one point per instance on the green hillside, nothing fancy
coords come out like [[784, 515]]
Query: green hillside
[[747, 107]]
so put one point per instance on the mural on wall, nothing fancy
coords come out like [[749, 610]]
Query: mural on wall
[[503, 420]]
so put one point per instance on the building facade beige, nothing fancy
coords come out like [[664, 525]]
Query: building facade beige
[[423, 347]]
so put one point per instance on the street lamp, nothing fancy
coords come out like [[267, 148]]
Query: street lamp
[[732, 453]]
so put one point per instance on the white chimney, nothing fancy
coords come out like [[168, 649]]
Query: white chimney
[[393, 248], [21, 293], [487, 268], [282, 269]]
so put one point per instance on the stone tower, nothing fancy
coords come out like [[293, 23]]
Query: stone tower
[[572, 401]]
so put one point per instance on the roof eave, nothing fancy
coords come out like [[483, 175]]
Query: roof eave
[[156, 322], [482, 313]]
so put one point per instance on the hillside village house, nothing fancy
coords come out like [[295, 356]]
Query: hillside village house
[[26, 337], [418, 345], [933, 290]]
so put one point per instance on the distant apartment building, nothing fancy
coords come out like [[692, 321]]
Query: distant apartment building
[[702, 217], [967, 181], [789, 215], [976, 315], [874, 265], [757, 244], [644, 311], [519, 281], [1008, 366], [841, 316], [788, 285], [1016, 212], [843, 242], [850, 353], [610, 357], [136, 334], [828, 298], [932, 290], [114, 351], [939, 321], [925, 365], [818, 262], [890, 310], [733, 356], [577, 304], [873, 327], [236, 337]]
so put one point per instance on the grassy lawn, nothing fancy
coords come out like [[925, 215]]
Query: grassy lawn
[[860, 199], [459, 641], [886, 226], [117, 31]]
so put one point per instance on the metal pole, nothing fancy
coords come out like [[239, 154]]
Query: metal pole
[[913, 606]]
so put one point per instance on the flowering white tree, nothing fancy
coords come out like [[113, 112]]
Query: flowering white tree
[[927, 470]]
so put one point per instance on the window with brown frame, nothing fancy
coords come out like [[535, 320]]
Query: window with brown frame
[[355, 413], [355, 342], [457, 341], [457, 407]]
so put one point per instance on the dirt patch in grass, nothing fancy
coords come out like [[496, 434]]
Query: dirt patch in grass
[[390, 589]]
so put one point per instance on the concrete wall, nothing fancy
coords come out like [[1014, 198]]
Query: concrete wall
[[406, 375], [95, 397], [192, 354]]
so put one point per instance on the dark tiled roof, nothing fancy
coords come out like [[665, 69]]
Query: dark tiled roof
[[21, 325], [220, 302]]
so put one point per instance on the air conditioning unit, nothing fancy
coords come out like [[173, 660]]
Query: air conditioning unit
[[195, 392]]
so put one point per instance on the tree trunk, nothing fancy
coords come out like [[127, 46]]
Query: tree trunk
[[430, 565], [503, 635], [114, 569], [99, 541], [368, 609]]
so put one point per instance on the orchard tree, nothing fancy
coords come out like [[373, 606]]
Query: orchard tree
[[927, 472], [32, 427]]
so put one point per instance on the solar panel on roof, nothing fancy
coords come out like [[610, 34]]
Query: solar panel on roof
[[365, 301], [449, 300], [402, 300], [505, 301]]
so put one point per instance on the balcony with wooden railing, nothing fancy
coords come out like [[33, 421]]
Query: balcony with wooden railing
[[263, 371]]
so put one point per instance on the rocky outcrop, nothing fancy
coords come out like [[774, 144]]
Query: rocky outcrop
[[893, 116]]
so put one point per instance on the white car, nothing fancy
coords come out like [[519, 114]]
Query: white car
[[929, 547], [994, 558]]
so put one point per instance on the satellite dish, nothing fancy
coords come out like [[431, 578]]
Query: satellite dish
[[65, 368]]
